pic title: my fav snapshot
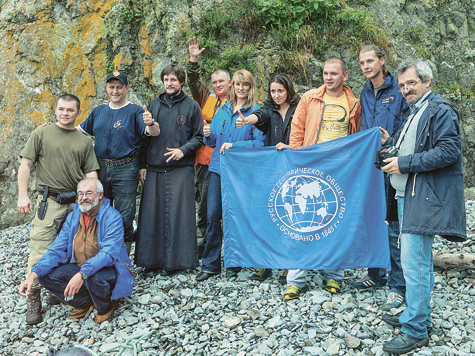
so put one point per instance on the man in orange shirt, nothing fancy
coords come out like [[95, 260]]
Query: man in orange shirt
[[323, 114], [209, 104]]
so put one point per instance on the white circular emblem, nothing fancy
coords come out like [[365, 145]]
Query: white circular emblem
[[306, 203]]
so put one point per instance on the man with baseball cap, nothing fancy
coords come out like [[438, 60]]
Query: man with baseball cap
[[118, 127]]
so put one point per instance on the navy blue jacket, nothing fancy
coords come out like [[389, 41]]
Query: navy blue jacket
[[434, 197], [386, 109]]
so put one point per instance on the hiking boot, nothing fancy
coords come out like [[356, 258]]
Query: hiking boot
[[332, 286], [261, 275], [283, 278], [79, 313], [33, 308], [366, 282], [404, 343], [294, 292], [394, 300]]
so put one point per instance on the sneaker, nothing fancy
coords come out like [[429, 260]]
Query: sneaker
[[366, 282], [332, 286], [283, 278], [294, 292], [394, 300], [261, 275]]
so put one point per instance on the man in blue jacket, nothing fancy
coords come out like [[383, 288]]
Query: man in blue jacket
[[427, 179], [87, 265], [382, 106]]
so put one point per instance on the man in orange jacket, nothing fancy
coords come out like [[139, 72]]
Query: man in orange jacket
[[323, 114], [209, 104]]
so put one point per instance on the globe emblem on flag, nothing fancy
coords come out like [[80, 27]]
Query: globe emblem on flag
[[306, 203]]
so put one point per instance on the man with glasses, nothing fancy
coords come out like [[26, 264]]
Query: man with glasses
[[63, 156], [381, 106], [323, 114], [426, 178], [87, 265]]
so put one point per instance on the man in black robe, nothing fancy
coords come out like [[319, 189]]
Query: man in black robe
[[166, 237]]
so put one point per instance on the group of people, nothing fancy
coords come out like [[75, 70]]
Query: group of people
[[79, 252]]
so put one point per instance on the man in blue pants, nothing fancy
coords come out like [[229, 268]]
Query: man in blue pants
[[426, 177], [381, 106]]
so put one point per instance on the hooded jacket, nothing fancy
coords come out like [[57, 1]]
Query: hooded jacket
[[385, 109], [223, 129], [309, 113], [112, 250], [434, 201], [181, 126]]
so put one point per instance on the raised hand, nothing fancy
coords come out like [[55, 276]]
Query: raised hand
[[147, 116], [194, 48], [240, 121], [206, 129]]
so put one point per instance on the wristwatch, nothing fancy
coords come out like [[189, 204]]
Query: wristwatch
[[153, 123], [83, 275]]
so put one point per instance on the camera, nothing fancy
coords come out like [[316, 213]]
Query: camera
[[383, 153]]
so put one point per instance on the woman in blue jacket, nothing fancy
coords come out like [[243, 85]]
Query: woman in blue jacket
[[274, 120], [222, 135]]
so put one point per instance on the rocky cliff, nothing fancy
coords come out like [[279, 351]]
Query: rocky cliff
[[49, 47]]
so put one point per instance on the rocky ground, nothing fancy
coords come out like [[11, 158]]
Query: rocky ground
[[178, 316]]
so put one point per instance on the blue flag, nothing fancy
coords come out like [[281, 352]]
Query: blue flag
[[319, 207]]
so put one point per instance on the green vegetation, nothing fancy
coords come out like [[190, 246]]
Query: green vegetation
[[109, 66], [295, 13], [418, 39], [454, 91], [295, 30]]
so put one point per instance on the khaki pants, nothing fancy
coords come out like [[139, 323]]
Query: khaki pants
[[43, 232]]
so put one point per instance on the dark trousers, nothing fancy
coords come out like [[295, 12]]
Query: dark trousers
[[214, 238], [97, 287], [201, 199], [120, 187]]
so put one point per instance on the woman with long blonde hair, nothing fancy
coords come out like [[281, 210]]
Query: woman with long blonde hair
[[223, 134]]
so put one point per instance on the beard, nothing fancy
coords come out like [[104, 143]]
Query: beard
[[88, 208]]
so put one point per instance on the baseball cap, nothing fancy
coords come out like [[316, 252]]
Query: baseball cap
[[119, 76]]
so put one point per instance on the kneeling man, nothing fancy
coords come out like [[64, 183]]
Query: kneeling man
[[87, 265]]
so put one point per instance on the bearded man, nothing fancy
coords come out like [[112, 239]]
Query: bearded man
[[87, 265]]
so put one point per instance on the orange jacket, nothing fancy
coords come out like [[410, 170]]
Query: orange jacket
[[308, 117], [209, 104]]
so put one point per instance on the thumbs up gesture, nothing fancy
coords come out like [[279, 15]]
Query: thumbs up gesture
[[147, 117], [206, 129], [240, 121]]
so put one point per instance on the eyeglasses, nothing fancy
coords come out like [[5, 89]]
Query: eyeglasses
[[88, 194], [410, 86]]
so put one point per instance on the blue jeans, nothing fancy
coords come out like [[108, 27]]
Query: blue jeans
[[97, 287], [395, 280], [214, 236], [417, 264], [120, 187]]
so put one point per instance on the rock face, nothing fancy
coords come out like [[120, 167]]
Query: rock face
[[50, 47]]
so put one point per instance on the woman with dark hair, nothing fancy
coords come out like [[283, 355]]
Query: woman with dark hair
[[274, 120], [223, 135]]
